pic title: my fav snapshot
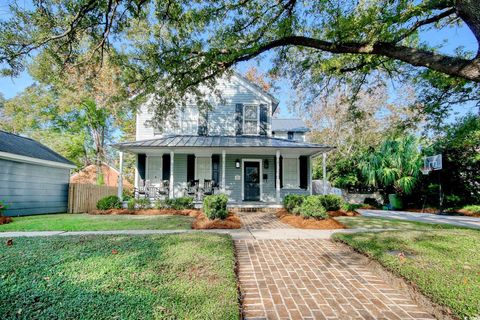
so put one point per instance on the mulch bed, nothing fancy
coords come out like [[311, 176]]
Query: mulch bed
[[231, 222], [340, 213], [185, 212], [302, 223], [5, 220]]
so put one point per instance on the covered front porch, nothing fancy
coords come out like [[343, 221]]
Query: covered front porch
[[251, 171]]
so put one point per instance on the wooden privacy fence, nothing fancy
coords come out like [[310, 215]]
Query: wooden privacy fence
[[84, 197]]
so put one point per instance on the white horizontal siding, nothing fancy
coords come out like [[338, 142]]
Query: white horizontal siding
[[221, 119]]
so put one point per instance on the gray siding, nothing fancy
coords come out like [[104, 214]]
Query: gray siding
[[233, 186], [33, 189], [221, 119]]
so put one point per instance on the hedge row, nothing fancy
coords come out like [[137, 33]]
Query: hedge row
[[314, 206]]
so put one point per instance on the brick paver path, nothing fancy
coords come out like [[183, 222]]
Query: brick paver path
[[315, 279], [261, 220]]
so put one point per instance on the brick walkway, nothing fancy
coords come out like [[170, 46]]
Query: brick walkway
[[261, 220], [314, 279]]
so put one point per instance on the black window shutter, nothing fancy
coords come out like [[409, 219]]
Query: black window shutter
[[303, 172], [166, 167], [190, 167], [202, 123], [281, 172], [263, 119], [239, 119], [216, 168], [141, 165]]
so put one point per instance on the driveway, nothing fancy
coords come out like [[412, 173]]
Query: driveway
[[461, 221], [315, 279]]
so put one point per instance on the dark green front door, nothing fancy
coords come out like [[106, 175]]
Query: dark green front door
[[251, 180]]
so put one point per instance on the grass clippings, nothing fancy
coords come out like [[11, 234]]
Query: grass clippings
[[232, 221], [302, 223]]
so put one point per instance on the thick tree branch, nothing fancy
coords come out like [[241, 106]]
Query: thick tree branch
[[464, 68]]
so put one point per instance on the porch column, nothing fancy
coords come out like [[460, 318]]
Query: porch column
[[324, 169], [170, 190], [120, 177], [277, 176], [223, 171], [310, 180]]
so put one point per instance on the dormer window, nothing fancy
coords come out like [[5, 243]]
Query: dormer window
[[250, 120], [290, 135]]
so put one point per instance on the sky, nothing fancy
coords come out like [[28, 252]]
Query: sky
[[451, 39]]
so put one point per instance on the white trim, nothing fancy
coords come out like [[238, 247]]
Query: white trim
[[223, 171], [298, 172], [171, 190], [258, 119], [260, 161], [277, 176], [47, 163]]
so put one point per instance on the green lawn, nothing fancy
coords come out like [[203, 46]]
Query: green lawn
[[380, 223], [84, 222], [443, 262], [178, 276]]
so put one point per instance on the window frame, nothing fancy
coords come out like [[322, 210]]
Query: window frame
[[297, 159], [196, 168], [257, 106]]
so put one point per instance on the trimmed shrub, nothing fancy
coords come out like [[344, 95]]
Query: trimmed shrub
[[160, 204], [331, 202], [292, 201], [312, 208], [472, 208], [110, 202], [349, 207], [215, 206], [372, 202], [139, 204], [180, 203]]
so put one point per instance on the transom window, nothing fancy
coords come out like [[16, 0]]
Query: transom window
[[250, 119]]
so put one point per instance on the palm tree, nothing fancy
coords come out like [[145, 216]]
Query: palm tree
[[395, 165]]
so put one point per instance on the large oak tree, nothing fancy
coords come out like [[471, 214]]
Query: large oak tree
[[171, 47]]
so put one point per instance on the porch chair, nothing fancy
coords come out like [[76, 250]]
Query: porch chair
[[208, 188], [142, 191], [164, 189], [192, 188]]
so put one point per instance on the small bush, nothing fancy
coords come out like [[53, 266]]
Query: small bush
[[180, 203], [312, 208], [215, 206], [472, 208], [160, 204], [351, 207], [331, 202], [139, 204], [292, 201], [372, 202], [3, 208], [110, 202]]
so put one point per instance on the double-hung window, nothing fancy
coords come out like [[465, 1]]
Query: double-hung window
[[203, 169], [250, 119], [291, 173]]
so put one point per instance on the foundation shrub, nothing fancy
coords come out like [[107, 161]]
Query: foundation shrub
[[109, 202], [215, 206], [312, 207], [180, 203], [331, 202], [144, 203], [292, 201]]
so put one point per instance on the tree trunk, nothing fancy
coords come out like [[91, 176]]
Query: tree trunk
[[469, 12]]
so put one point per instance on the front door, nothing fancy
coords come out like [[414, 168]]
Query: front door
[[251, 180]]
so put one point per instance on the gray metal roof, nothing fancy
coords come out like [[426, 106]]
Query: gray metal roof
[[295, 125], [218, 141], [15, 144]]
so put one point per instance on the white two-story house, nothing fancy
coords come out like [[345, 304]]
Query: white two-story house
[[238, 147]]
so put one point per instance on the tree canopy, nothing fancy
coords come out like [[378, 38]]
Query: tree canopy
[[173, 47]]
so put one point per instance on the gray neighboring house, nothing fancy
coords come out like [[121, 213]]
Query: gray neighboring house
[[33, 178]]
